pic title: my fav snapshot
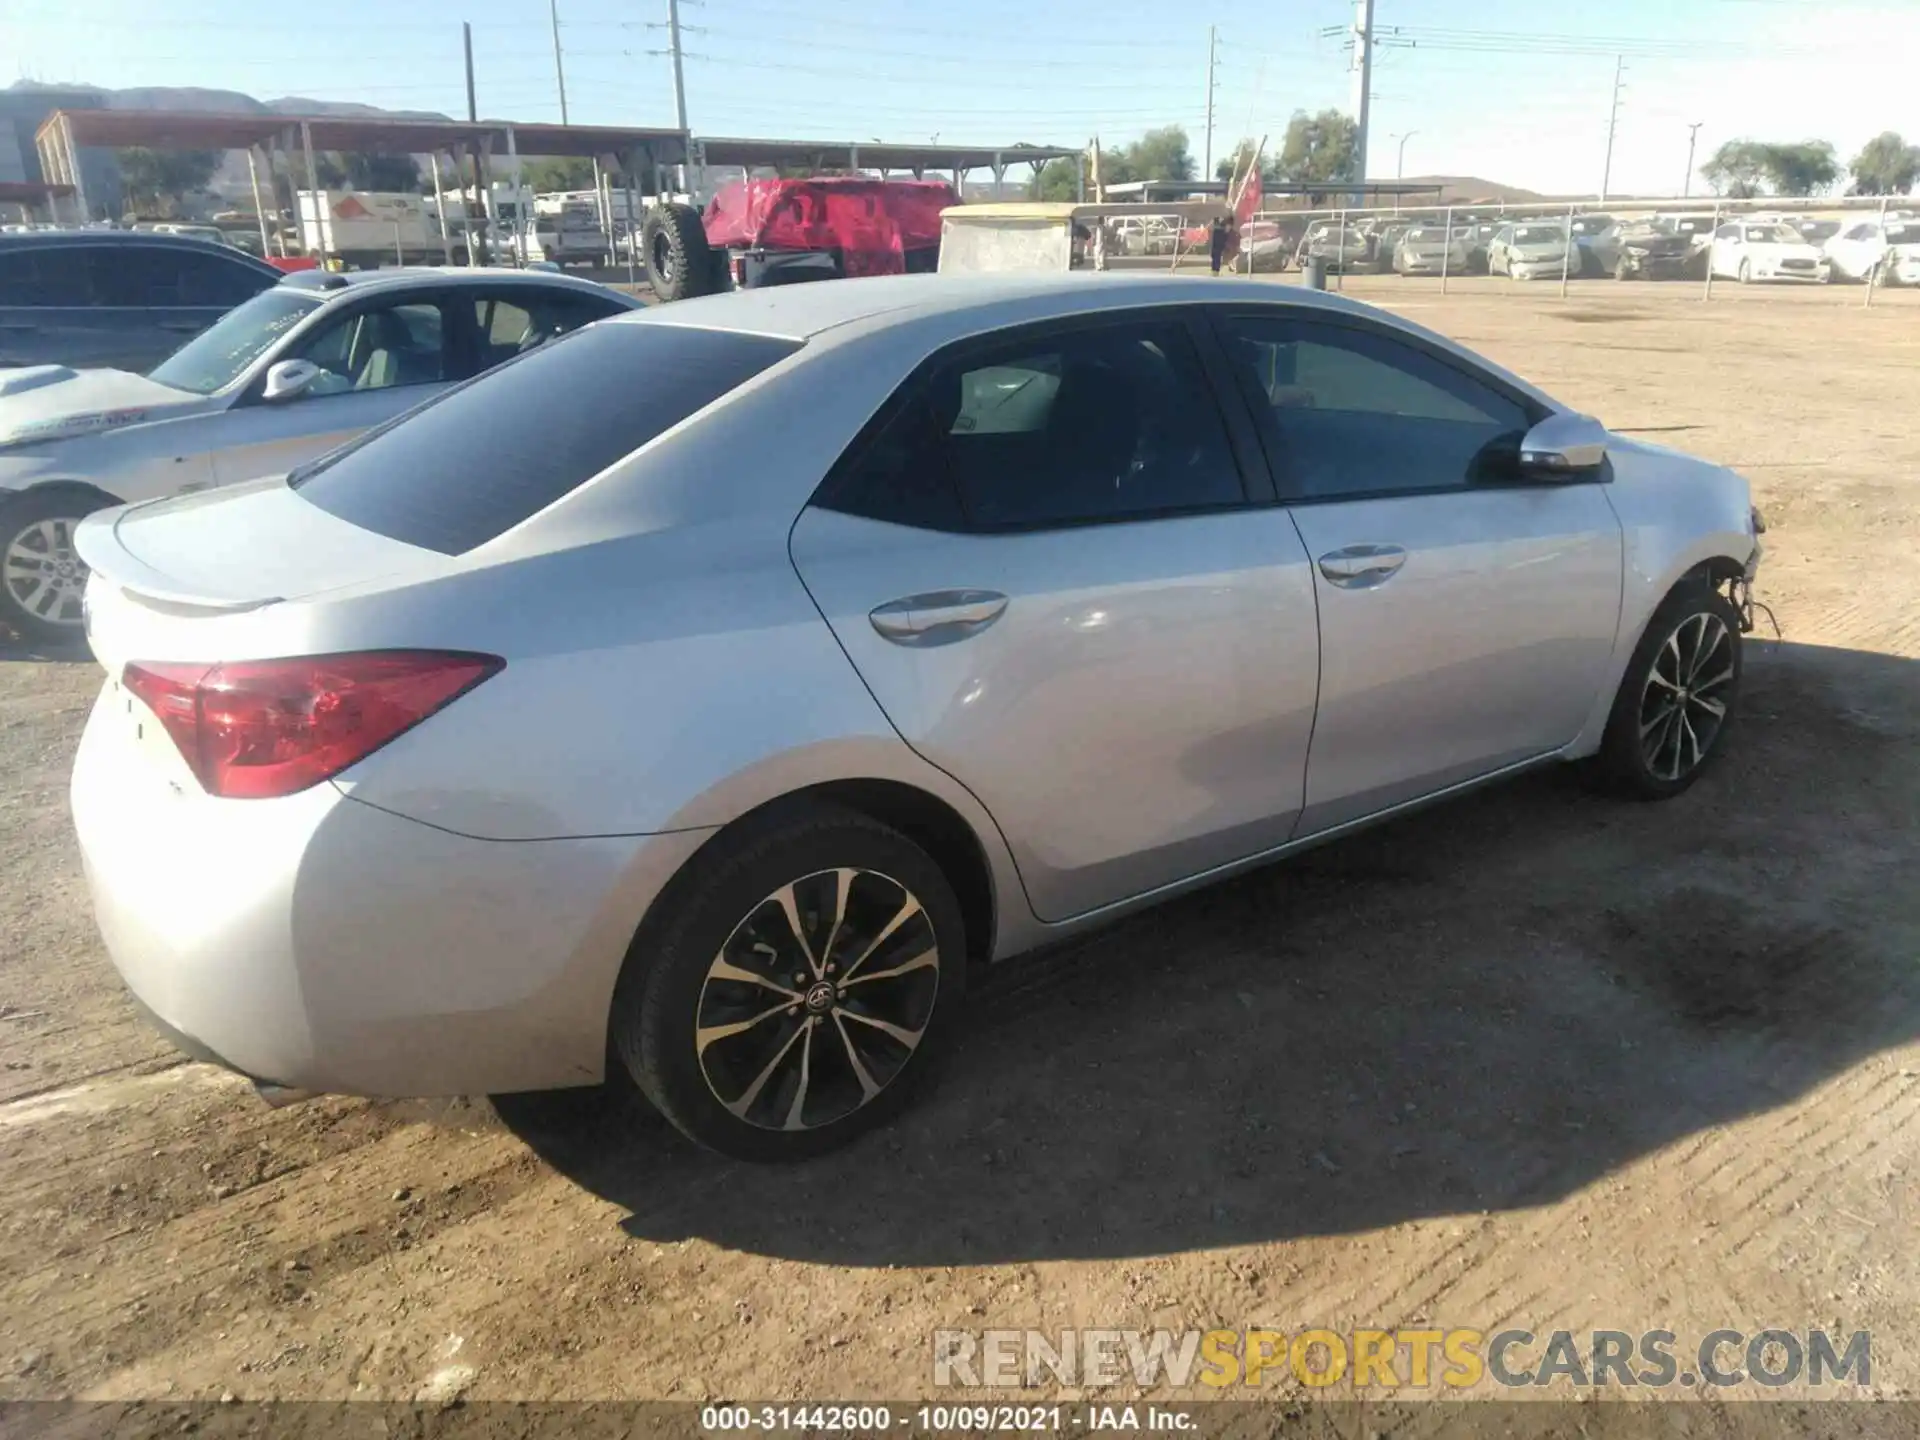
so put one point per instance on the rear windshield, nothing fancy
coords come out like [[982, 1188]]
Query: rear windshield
[[488, 454]]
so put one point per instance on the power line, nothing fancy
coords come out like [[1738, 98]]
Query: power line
[[850, 73]]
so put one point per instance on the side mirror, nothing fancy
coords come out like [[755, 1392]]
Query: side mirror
[[289, 379], [1564, 447]]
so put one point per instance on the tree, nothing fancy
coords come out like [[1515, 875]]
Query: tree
[[1319, 149], [353, 171], [1236, 163], [1808, 168], [557, 172], [161, 179], [1887, 165], [1742, 169], [1157, 155], [1058, 180], [1736, 169]]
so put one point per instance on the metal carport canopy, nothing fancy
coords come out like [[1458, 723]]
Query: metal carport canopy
[[874, 154], [365, 134]]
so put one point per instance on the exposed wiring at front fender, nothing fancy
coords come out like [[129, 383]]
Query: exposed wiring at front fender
[[1740, 594]]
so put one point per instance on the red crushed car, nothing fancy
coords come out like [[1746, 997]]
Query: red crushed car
[[780, 232]]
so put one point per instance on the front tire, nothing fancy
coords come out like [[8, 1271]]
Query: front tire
[[42, 579], [1678, 696], [804, 984], [1745, 273]]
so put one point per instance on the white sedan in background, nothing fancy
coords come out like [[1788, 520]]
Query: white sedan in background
[[299, 369], [1747, 250], [1893, 246]]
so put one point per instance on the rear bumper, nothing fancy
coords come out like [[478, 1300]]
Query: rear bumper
[[316, 943]]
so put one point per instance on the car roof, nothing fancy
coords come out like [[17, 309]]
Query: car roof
[[135, 239], [359, 282], [800, 312]]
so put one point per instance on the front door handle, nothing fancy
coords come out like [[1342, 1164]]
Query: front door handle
[[1361, 567], [938, 617]]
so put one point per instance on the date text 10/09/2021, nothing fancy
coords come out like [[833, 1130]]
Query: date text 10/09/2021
[[935, 1419]]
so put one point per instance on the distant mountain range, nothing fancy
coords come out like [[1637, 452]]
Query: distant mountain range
[[225, 102]]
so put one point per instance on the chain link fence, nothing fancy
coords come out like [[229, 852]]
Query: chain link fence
[[1866, 244]]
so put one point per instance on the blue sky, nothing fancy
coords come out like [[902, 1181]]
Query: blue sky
[[1517, 94]]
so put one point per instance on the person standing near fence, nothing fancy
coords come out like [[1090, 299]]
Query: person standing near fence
[[1217, 242]]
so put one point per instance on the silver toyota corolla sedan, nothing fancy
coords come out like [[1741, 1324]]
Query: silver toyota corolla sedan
[[716, 687]]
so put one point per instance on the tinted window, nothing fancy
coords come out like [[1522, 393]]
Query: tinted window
[[1354, 412], [510, 323], [1109, 423], [481, 458], [144, 277], [216, 280], [55, 276], [378, 348]]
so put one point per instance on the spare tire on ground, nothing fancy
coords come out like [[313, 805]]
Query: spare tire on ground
[[679, 262]]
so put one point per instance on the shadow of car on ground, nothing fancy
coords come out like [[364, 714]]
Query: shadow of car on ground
[[1484, 1006]]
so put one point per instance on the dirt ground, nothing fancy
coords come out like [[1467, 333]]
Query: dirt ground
[[1535, 1059]]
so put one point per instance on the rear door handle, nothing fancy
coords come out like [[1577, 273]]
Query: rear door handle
[[938, 617], [1361, 567]]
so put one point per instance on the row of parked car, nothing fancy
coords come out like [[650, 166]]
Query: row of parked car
[[1663, 246], [135, 365]]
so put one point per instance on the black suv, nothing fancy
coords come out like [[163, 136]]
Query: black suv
[[115, 299]]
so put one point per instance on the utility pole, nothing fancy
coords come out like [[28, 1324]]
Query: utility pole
[[1613, 120], [1693, 135], [466, 37], [559, 69], [1362, 84], [679, 74], [1206, 155]]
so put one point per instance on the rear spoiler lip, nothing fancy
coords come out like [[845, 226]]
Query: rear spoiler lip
[[97, 539]]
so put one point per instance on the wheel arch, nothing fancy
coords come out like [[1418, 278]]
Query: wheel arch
[[1714, 567], [65, 485], [929, 821]]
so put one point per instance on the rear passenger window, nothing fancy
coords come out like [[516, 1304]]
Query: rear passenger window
[[57, 276], [475, 462], [1115, 422], [509, 327]]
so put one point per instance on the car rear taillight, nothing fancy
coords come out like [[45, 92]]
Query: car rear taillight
[[254, 729]]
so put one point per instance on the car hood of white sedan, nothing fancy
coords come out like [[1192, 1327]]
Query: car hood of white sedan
[[53, 402], [1783, 250]]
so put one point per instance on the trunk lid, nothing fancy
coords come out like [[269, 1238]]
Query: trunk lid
[[164, 569]]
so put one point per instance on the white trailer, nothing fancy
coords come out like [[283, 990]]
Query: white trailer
[[368, 228]]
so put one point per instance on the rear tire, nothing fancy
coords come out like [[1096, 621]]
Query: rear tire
[[1677, 699], [678, 258], [42, 579], [804, 983]]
